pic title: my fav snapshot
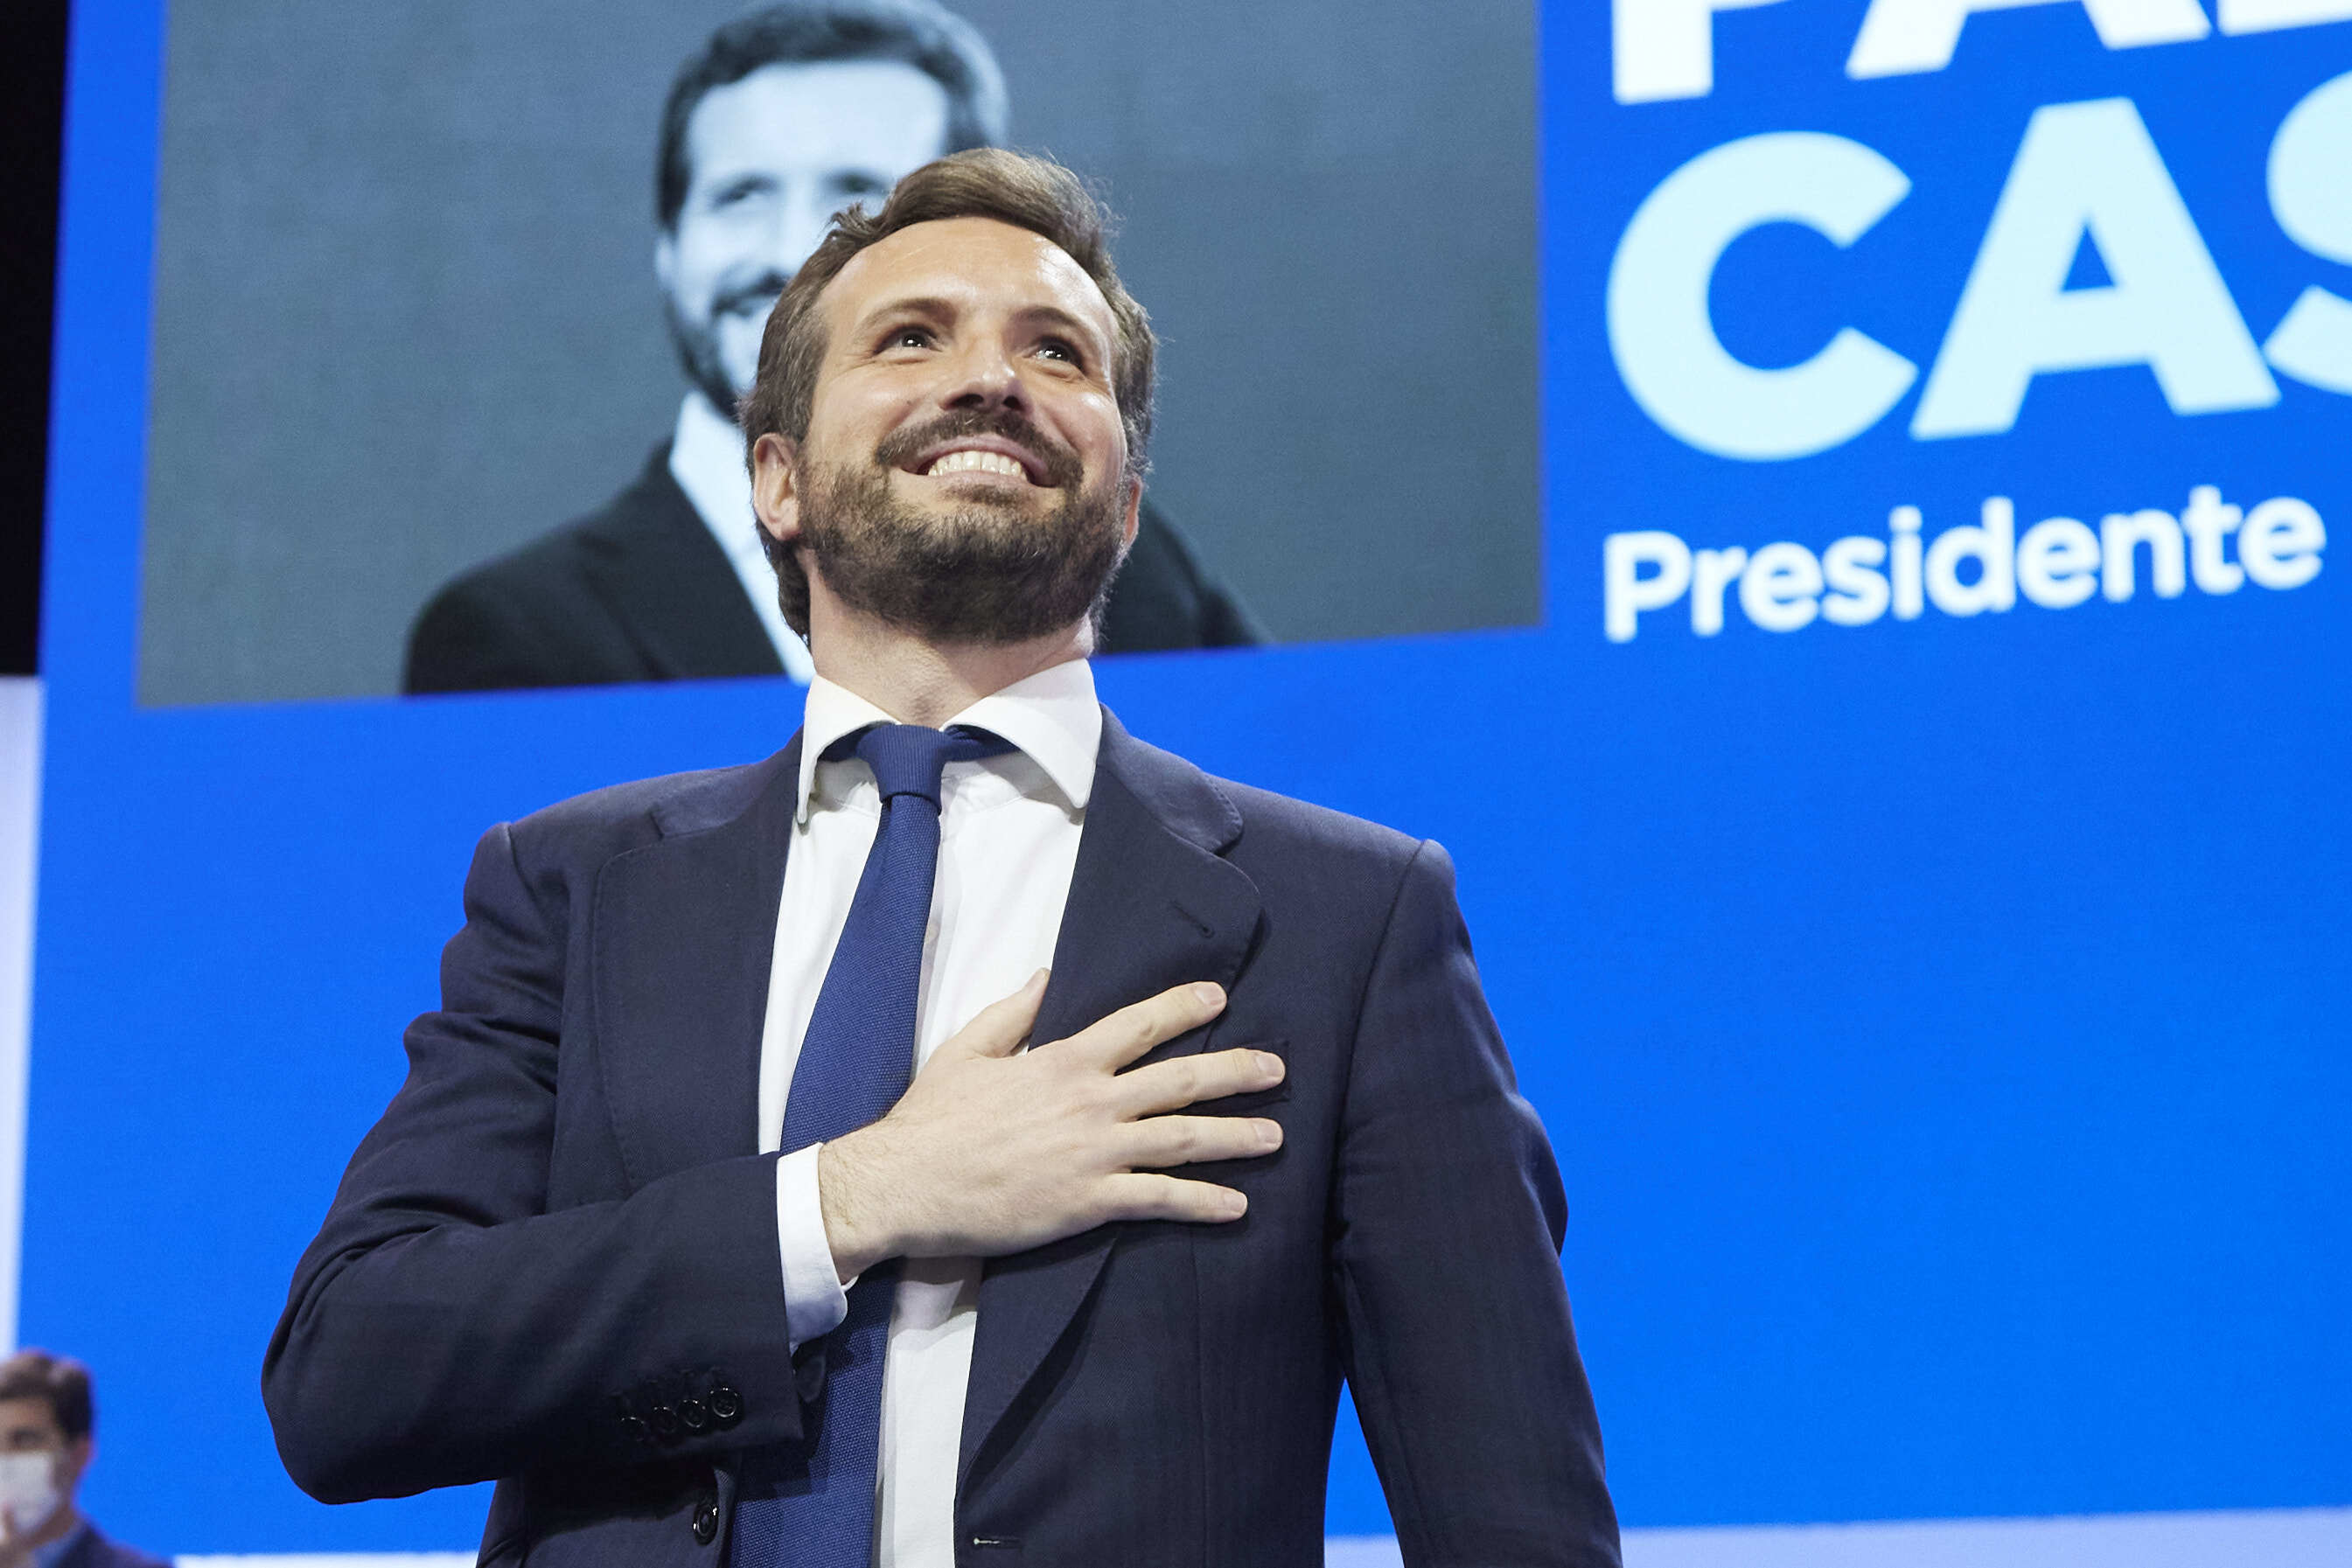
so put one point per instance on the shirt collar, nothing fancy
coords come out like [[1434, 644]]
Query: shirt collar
[[1051, 717], [56, 1551], [706, 458]]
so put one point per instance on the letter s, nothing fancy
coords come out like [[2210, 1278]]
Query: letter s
[[1659, 330], [2311, 196]]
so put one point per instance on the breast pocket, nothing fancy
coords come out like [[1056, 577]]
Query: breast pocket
[[1273, 1104], [1255, 1101]]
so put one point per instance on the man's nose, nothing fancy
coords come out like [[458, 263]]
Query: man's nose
[[801, 219], [982, 375]]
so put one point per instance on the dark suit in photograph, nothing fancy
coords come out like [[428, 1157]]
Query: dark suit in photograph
[[639, 590], [555, 1260], [87, 1547]]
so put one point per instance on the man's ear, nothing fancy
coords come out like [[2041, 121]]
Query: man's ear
[[775, 486], [1134, 506], [664, 259]]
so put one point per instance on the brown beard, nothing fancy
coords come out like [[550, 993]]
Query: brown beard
[[983, 573], [697, 341]]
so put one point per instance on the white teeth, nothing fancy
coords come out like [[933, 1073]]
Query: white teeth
[[975, 463]]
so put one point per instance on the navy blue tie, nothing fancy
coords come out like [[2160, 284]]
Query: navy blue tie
[[810, 1504]]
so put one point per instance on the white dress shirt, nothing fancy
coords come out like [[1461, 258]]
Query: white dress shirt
[[1009, 831], [706, 458]]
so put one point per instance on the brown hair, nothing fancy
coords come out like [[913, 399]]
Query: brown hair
[[60, 1380], [919, 33], [985, 183]]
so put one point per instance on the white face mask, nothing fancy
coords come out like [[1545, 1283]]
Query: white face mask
[[29, 1491]]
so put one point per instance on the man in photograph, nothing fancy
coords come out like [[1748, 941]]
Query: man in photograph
[[723, 1217], [785, 116]]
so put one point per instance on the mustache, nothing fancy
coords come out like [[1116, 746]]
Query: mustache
[[759, 293], [1062, 466]]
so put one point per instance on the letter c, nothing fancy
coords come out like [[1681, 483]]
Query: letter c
[[1659, 330]]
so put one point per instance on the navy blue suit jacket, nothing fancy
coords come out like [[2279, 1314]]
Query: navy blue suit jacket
[[554, 1260], [91, 1549]]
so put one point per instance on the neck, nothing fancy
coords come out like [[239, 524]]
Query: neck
[[62, 1523], [918, 682]]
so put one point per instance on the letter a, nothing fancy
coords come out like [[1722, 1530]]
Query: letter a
[[1900, 37], [2089, 169]]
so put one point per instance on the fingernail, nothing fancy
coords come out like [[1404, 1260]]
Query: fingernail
[[1269, 1064], [1236, 1205], [1211, 994], [1269, 1134], [1040, 977]]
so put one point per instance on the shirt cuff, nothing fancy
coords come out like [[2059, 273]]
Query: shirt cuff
[[815, 1299]]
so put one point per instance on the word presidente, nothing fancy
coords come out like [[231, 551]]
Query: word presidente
[[2060, 562]]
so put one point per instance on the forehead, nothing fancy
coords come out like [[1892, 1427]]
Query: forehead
[[874, 114], [21, 1415], [972, 263]]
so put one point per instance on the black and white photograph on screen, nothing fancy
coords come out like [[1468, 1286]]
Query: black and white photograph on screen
[[453, 302]]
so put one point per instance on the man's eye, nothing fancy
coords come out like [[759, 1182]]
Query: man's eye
[[908, 337], [1055, 349]]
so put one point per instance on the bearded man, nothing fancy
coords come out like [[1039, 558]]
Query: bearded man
[[786, 114], [971, 1135]]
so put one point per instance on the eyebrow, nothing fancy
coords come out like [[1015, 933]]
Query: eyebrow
[[924, 306], [933, 305], [741, 179]]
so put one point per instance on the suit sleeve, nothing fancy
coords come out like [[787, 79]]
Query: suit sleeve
[[446, 1328], [1458, 1343], [472, 638]]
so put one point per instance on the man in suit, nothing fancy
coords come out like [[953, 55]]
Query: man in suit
[[786, 115], [46, 1423], [659, 1233]]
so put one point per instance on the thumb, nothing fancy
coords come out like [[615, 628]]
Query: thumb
[[1002, 1026]]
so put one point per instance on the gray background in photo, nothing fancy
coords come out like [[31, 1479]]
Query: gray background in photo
[[405, 316]]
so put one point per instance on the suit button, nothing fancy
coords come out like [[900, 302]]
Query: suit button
[[705, 1521], [693, 1413], [637, 1427], [664, 1421], [726, 1404]]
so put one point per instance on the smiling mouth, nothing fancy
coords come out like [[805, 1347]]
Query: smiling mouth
[[991, 457], [757, 298], [970, 461], [983, 450]]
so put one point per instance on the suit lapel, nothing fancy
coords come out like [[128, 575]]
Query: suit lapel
[[684, 938], [1151, 905], [674, 589]]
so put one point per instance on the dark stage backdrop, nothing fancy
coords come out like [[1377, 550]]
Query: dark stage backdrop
[[32, 95], [1909, 859]]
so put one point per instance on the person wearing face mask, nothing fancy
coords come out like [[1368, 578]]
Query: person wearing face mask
[[45, 1448]]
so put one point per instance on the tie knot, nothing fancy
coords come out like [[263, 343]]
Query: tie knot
[[908, 758]]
